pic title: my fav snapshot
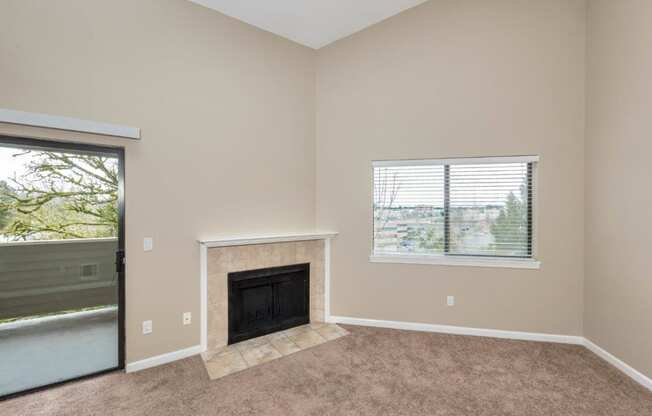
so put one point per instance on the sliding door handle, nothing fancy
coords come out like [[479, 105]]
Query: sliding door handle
[[119, 261]]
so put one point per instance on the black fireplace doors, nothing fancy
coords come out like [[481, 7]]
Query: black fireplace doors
[[268, 300]]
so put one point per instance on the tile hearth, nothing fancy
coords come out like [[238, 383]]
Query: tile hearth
[[247, 354]]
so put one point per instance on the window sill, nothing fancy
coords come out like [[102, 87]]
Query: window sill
[[456, 261]]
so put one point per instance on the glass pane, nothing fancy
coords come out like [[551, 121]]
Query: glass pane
[[409, 209], [58, 284], [488, 210]]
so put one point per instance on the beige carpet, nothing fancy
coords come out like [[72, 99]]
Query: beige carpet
[[370, 372]]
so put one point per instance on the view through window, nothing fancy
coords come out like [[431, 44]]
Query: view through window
[[463, 207], [61, 269], [67, 202], [48, 195]]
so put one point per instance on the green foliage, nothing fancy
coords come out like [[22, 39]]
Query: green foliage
[[510, 228], [5, 212], [62, 196], [426, 238], [431, 240]]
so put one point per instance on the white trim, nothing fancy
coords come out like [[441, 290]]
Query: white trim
[[162, 359], [636, 375], [327, 280], [54, 242], [227, 241], [460, 330], [469, 261], [203, 295], [67, 123], [455, 161]]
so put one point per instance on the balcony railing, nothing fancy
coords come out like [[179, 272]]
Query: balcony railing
[[43, 277]]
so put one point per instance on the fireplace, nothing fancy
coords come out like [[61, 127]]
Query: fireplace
[[267, 300]]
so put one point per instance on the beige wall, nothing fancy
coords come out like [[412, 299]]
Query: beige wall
[[230, 137], [457, 78], [227, 115], [618, 171]]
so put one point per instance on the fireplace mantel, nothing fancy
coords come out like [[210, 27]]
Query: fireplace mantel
[[225, 241], [244, 240]]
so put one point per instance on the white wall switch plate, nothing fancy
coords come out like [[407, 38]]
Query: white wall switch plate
[[148, 244], [450, 300], [147, 327], [187, 318]]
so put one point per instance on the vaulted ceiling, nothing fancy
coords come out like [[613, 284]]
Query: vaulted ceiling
[[313, 23]]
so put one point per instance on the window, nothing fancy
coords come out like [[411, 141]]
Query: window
[[464, 209]]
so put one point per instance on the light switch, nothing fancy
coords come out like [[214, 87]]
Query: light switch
[[450, 300], [148, 244]]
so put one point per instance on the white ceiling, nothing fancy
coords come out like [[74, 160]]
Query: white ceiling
[[313, 23]]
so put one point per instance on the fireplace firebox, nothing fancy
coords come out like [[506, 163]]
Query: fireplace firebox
[[268, 300]]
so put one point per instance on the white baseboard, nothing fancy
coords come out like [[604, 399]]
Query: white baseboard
[[493, 333], [460, 330], [163, 359], [639, 377]]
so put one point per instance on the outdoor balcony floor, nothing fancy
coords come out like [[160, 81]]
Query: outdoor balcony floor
[[48, 350]]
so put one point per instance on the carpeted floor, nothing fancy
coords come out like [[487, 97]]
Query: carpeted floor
[[371, 372]]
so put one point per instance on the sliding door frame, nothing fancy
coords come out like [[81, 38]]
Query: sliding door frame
[[119, 153]]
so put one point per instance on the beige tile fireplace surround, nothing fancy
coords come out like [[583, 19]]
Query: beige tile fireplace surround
[[223, 256]]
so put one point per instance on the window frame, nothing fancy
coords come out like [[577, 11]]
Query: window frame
[[452, 259]]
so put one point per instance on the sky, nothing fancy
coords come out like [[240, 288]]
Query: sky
[[10, 165]]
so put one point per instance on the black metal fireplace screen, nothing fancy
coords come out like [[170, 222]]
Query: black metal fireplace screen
[[268, 300]]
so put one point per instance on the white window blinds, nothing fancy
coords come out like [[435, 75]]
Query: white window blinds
[[455, 207]]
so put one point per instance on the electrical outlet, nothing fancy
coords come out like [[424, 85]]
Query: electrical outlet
[[147, 327], [187, 318], [450, 300], [148, 244]]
